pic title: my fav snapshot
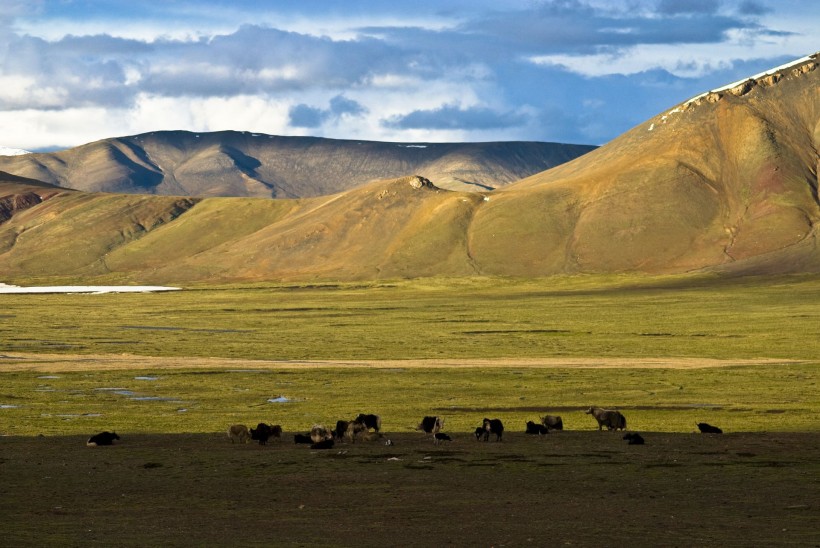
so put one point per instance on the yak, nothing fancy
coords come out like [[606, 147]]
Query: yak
[[490, 426], [536, 429], [238, 433], [103, 438], [613, 420], [706, 428]]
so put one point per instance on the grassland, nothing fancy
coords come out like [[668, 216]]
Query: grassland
[[170, 371], [467, 319]]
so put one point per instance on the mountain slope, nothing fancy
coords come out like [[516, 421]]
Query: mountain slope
[[716, 181], [727, 182], [242, 164]]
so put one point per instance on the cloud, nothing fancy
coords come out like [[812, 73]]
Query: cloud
[[678, 7], [455, 117], [306, 116]]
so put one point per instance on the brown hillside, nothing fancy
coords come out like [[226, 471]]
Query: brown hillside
[[242, 164], [728, 180], [725, 182]]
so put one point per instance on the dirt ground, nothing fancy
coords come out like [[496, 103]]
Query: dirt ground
[[564, 489], [55, 363]]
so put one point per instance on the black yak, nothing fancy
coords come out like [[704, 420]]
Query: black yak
[[706, 428], [103, 438]]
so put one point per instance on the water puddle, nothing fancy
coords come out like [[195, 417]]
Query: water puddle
[[280, 399], [49, 377], [146, 378], [9, 406]]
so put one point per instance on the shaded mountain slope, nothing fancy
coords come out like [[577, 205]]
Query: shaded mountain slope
[[725, 182], [242, 164]]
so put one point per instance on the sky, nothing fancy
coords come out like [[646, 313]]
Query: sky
[[569, 71]]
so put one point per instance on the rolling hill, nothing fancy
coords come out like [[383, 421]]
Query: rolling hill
[[242, 164], [724, 182]]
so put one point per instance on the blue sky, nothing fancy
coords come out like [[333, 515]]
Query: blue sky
[[573, 71]]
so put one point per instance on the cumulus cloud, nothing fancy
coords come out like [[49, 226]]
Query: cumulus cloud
[[456, 117]]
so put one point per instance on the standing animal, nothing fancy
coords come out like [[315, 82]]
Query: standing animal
[[441, 437], [479, 431], [302, 438], [490, 426], [103, 438], [536, 429], [373, 422], [324, 444], [263, 432], [431, 425], [612, 419], [634, 438], [320, 433], [238, 433], [706, 428], [341, 429], [353, 429], [553, 422]]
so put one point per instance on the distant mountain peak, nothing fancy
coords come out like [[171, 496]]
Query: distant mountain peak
[[6, 151]]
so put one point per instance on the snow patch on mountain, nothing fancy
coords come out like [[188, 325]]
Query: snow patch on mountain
[[6, 151]]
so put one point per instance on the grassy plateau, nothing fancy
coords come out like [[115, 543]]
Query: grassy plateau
[[170, 371]]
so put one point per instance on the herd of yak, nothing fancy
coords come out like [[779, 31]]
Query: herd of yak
[[322, 437]]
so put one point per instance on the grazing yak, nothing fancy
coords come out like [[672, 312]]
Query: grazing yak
[[536, 429], [371, 422], [263, 432], [552, 422], [706, 428], [320, 433], [613, 420], [440, 437], [103, 438], [490, 426], [302, 438], [238, 433], [634, 438], [431, 425]]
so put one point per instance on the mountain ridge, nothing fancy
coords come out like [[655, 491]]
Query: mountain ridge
[[246, 164]]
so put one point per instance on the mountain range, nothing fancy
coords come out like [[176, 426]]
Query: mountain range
[[242, 164], [725, 182]]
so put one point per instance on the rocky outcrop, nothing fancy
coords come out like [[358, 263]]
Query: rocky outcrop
[[10, 204]]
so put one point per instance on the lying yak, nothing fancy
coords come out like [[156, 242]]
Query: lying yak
[[706, 428], [536, 429], [634, 438], [103, 438]]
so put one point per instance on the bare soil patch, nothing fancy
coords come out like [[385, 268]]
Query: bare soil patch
[[20, 361], [567, 488]]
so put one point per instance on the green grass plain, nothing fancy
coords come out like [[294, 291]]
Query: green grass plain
[[175, 480], [471, 319]]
